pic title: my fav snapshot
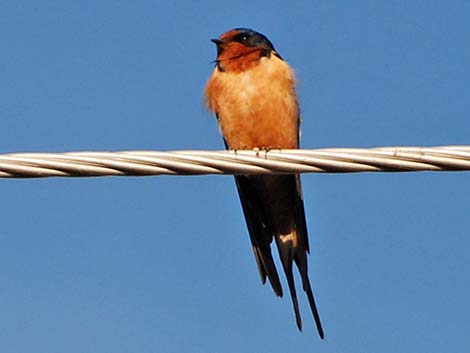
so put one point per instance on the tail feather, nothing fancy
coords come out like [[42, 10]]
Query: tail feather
[[273, 208], [300, 259], [313, 306], [293, 294], [285, 252], [301, 262], [286, 248]]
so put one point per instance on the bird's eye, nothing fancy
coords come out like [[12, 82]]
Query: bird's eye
[[244, 38]]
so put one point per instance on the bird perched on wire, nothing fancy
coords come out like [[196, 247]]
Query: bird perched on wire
[[252, 92]]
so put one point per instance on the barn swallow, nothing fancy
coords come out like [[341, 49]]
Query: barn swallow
[[252, 92]]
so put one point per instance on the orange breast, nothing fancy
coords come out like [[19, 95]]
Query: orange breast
[[256, 107]]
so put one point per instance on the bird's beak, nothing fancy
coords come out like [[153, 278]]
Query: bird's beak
[[217, 41]]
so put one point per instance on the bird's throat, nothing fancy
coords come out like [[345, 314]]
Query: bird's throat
[[240, 60]]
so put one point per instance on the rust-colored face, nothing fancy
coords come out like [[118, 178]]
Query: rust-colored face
[[241, 48]]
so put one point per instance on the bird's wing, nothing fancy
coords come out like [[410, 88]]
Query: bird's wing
[[261, 234], [273, 207]]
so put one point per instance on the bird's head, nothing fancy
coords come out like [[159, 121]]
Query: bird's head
[[241, 48]]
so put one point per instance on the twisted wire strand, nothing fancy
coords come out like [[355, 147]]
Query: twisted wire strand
[[326, 160]]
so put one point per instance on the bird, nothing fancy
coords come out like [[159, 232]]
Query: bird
[[252, 91]]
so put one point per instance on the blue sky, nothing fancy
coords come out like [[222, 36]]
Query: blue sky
[[164, 264]]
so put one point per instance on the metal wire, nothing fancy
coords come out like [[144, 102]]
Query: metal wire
[[329, 160]]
